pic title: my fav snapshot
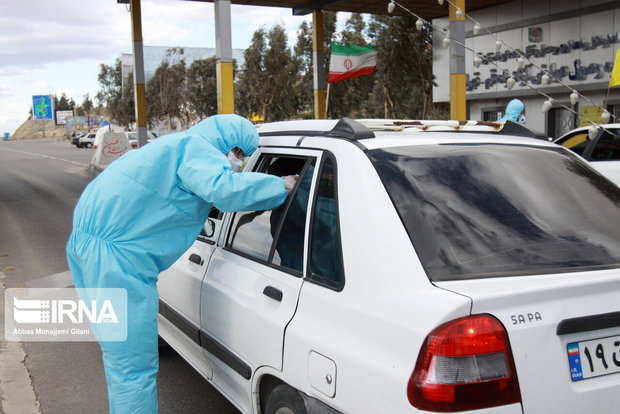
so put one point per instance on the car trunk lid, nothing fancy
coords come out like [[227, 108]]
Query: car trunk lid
[[564, 332]]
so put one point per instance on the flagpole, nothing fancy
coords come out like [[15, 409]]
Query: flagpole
[[606, 97], [327, 101]]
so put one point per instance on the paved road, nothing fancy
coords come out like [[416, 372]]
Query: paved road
[[40, 183]]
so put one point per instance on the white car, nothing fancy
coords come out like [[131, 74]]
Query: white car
[[602, 151], [87, 140], [416, 267], [133, 138]]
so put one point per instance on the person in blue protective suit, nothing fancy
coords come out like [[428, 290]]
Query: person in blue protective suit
[[514, 112], [138, 217]]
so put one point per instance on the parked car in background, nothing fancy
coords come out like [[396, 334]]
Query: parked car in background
[[88, 140], [76, 139], [133, 138], [602, 151], [417, 266]]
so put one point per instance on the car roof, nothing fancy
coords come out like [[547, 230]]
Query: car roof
[[585, 128], [382, 133]]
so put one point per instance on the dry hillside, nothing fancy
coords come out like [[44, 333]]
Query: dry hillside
[[28, 131]]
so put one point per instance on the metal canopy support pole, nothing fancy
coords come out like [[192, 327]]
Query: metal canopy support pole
[[318, 65], [458, 102], [223, 53], [138, 72]]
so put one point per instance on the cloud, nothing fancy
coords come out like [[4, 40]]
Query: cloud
[[46, 32], [57, 46]]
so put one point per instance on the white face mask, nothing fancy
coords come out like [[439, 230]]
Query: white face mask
[[235, 163]]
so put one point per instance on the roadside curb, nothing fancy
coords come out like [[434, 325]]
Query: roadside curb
[[16, 393]]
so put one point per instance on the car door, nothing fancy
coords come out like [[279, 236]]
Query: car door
[[252, 284], [179, 286]]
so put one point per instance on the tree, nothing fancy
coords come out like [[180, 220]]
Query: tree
[[127, 103], [202, 86], [85, 108], [266, 84], [283, 72], [166, 90], [117, 100], [303, 56], [404, 69], [249, 91], [304, 88], [64, 103]]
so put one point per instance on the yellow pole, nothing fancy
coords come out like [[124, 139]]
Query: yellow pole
[[138, 72], [458, 101], [225, 88], [318, 64]]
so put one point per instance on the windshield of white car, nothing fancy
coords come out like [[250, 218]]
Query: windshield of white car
[[490, 210]]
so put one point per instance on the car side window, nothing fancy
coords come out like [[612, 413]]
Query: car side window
[[289, 247], [326, 249], [253, 232], [607, 148], [576, 142]]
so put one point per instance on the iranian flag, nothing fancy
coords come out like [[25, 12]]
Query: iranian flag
[[351, 61]]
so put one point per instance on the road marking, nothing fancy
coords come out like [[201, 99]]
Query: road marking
[[46, 156], [16, 393]]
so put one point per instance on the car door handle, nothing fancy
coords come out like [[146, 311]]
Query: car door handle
[[194, 258], [273, 293]]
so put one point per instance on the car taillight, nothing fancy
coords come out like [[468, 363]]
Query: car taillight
[[465, 364]]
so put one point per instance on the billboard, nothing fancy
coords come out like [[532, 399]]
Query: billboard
[[61, 116], [42, 107]]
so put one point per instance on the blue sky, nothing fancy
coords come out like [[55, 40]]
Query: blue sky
[[55, 47]]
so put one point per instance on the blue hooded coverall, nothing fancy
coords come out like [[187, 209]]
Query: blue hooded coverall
[[139, 216], [513, 110]]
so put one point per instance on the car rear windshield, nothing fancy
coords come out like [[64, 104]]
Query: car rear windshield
[[489, 210]]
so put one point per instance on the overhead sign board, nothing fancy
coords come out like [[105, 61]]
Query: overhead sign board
[[42, 107], [579, 51]]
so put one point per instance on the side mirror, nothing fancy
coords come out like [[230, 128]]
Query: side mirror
[[209, 228]]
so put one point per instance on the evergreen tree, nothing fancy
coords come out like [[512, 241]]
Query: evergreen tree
[[249, 89], [202, 87], [118, 100], [404, 69], [64, 103], [269, 74], [304, 88], [166, 90]]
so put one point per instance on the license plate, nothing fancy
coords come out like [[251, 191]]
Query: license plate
[[589, 359]]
